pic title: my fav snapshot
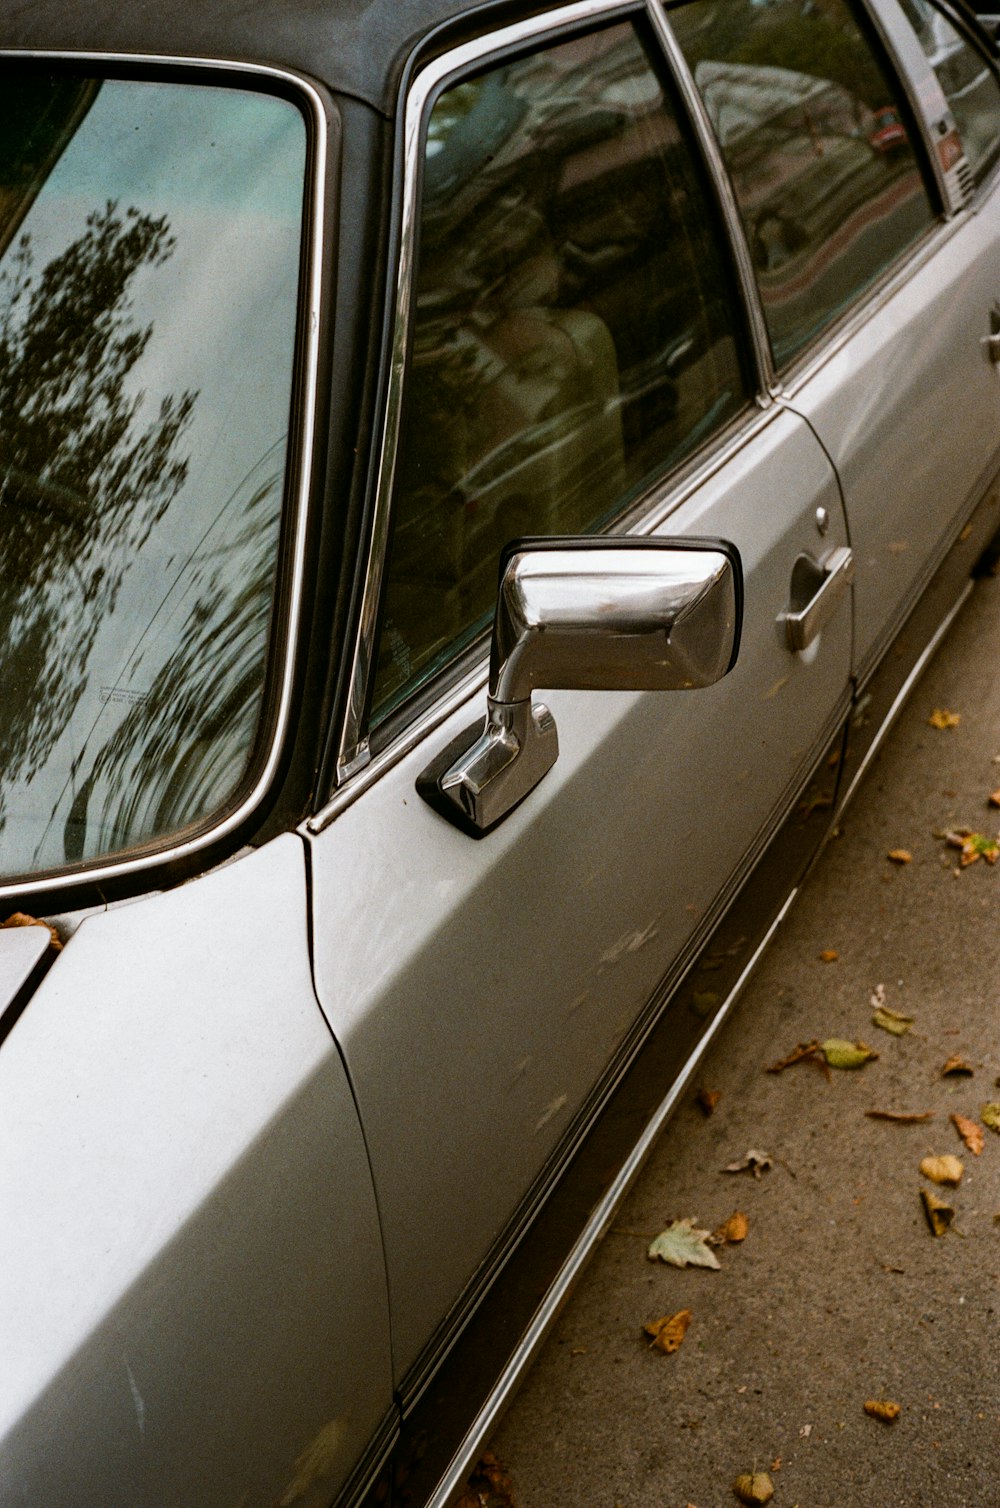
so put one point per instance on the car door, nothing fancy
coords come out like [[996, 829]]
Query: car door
[[570, 356], [878, 307]]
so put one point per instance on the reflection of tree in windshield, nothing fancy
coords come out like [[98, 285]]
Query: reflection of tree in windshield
[[82, 479], [147, 780]]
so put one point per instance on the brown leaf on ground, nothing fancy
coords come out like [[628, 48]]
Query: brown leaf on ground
[[946, 1169], [970, 1133], [882, 1408], [667, 1333], [973, 846], [21, 919], [942, 718], [900, 856], [939, 1215], [754, 1487], [489, 1486], [840, 1053], [901, 1117], [994, 798], [805, 1052], [955, 1065], [754, 1162], [731, 1231], [829, 955], [990, 1115], [776, 1464], [708, 1099]]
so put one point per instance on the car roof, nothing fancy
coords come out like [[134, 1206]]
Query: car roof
[[356, 47]]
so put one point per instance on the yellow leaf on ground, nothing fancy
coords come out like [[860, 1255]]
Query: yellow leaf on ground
[[946, 1169], [957, 1064], [754, 1487], [939, 1215], [829, 955], [973, 846], [21, 919], [990, 1115], [731, 1231], [667, 1333], [892, 1021], [881, 1408], [942, 718], [842, 1054], [682, 1244], [900, 856], [970, 1133]]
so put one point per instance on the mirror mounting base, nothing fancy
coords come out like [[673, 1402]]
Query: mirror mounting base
[[487, 771]]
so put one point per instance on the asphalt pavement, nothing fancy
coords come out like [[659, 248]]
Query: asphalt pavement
[[840, 1294]]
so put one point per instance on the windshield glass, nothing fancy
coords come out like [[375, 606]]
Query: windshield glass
[[149, 261]]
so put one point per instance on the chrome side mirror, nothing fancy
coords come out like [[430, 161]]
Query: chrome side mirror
[[585, 614]]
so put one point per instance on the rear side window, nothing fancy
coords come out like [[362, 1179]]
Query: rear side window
[[575, 329], [969, 84], [815, 134]]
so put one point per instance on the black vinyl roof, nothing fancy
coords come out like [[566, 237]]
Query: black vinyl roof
[[356, 47]]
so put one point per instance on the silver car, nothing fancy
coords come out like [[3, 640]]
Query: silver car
[[369, 373]]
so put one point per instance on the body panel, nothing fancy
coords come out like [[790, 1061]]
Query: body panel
[[203, 1263]]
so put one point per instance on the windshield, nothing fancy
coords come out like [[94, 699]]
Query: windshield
[[149, 262]]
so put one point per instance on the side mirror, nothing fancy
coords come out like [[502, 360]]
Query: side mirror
[[585, 614]]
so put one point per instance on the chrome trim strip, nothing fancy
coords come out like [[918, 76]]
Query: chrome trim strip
[[300, 449], [722, 183], [928, 652], [596, 1227], [353, 753]]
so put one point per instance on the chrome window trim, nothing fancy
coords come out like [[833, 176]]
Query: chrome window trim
[[301, 448], [725, 195], [354, 752], [644, 516]]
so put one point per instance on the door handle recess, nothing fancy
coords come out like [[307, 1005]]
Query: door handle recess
[[818, 586]]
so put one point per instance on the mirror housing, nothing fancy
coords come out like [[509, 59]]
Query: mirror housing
[[634, 614]]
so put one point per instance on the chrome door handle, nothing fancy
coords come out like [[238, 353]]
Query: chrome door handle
[[822, 583], [992, 341]]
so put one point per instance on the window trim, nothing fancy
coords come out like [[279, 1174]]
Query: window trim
[[354, 748], [284, 644]]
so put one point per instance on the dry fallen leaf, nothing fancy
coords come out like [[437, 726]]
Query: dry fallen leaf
[[803, 1053], [939, 1215], [754, 1162], [970, 1133], [946, 1169], [842, 1054], [667, 1333], [900, 856], [973, 846], [990, 1115], [942, 718], [901, 1117], [21, 919], [829, 955], [681, 1244], [754, 1487], [994, 798], [489, 1486], [881, 1408], [708, 1099], [955, 1065], [731, 1231], [892, 1021]]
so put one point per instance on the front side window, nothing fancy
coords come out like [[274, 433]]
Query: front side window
[[815, 134], [149, 265], [575, 330]]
